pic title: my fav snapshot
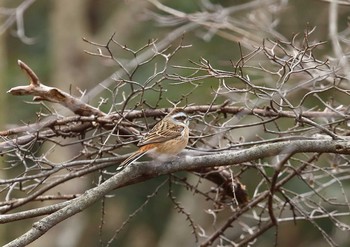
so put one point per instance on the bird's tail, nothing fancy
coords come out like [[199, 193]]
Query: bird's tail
[[133, 157]]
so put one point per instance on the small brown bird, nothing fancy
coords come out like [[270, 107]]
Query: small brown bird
[[166, 139]]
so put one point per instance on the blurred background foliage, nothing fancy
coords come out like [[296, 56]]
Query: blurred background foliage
[[55, 50]]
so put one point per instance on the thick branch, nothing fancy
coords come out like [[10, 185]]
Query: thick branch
[[52, 94], [112, 119], [136, 173], [229, 109]]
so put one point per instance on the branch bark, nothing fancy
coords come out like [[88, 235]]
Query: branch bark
[[52, 94], [142, 171]]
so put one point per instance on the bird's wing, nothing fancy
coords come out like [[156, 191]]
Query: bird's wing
[[132, 158], [161, 132]]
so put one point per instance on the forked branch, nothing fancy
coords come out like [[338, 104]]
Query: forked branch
[[52, 94]]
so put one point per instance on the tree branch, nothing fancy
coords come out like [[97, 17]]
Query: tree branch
[[52, 94], [139, 172]]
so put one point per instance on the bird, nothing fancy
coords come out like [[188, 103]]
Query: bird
[[165, 140]]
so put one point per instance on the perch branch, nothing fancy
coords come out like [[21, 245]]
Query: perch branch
[[136, 173]]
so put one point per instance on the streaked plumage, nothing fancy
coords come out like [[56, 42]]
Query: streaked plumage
[[167, 138]]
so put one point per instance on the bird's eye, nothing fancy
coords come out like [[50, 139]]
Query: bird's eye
[[180, 118]]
